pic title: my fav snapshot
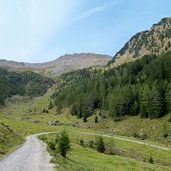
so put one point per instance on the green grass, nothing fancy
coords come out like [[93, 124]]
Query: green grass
[[80, 158], [9, 139], [154, 129], [25, 116]]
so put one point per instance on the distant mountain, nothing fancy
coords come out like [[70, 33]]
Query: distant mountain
[[153, 41], [61, 65]]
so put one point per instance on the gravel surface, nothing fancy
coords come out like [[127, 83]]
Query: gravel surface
[[32, 156]]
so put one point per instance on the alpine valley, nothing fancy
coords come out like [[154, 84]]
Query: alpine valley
[[110, 113]]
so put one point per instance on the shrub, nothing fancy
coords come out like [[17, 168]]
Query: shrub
[[81, 142], [51, 145], [91, 144], [100, 145], [151, 160]]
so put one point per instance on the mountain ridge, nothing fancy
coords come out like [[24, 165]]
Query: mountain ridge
[[65, 63], [154, 41]]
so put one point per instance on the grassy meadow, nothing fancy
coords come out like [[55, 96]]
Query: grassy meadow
[[24, 116]]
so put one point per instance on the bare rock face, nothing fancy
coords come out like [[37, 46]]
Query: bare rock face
[[61, 65], [153, 41]]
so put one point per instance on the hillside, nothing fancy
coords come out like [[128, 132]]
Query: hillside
[[8, 139], [61, 65], [128, 107], [139, 87], [22, 83], [154, 41]]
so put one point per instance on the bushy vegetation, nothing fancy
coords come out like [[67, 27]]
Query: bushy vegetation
[[64, 144], [140, 87], [94, 152], [100, 145], [60, 145], [22, 83]]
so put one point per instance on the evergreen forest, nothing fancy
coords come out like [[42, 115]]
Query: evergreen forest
[[141, 87]]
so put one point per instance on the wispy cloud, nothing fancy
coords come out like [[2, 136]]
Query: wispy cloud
[[89, 13], [94, 11]]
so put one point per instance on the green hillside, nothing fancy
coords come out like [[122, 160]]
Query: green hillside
[[140, 88], [126, 104], [22, 83], [8, 139]]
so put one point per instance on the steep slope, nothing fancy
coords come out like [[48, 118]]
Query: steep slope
[[62, 64], [153, 41]]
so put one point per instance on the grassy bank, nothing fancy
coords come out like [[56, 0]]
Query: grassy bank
[[128, 156], [9, 139]]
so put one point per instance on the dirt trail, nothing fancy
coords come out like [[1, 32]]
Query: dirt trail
[[32, 156], [129, 140]]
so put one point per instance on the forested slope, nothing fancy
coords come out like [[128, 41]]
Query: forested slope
[[142, 87], [22, 83]]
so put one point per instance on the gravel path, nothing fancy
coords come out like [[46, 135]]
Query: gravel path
[[32, 156], [129, 140]]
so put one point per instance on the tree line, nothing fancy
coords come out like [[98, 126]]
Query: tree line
[[142, 87]]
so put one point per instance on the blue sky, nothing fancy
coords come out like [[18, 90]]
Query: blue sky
[[42, 30]]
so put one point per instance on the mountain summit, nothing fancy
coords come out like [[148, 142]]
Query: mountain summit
[[153, 41], [66, 63]]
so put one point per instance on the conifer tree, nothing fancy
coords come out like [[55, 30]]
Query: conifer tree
[[154, 104], [168, 101], [144, 100], [64, 144], [100, 145]]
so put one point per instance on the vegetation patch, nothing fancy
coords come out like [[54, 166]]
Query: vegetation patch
[[9, 139], [22, 83], [140, 88], [85, 155]]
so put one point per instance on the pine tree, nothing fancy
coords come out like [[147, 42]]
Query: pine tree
[[151, 160], [168, 101], [151, 103], [155, 104], [50, 105], [64, 144], [81, 142], [134, 110], [74, 110], [100, 145], [144, 101], [84, 117], [96, 119]]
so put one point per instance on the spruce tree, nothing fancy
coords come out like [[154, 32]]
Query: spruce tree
[[64, 144], [168, 101], [144, 101], [74, 110], [50, 105], [100, 145], [96, 119], [84, 117], [155, 104]]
